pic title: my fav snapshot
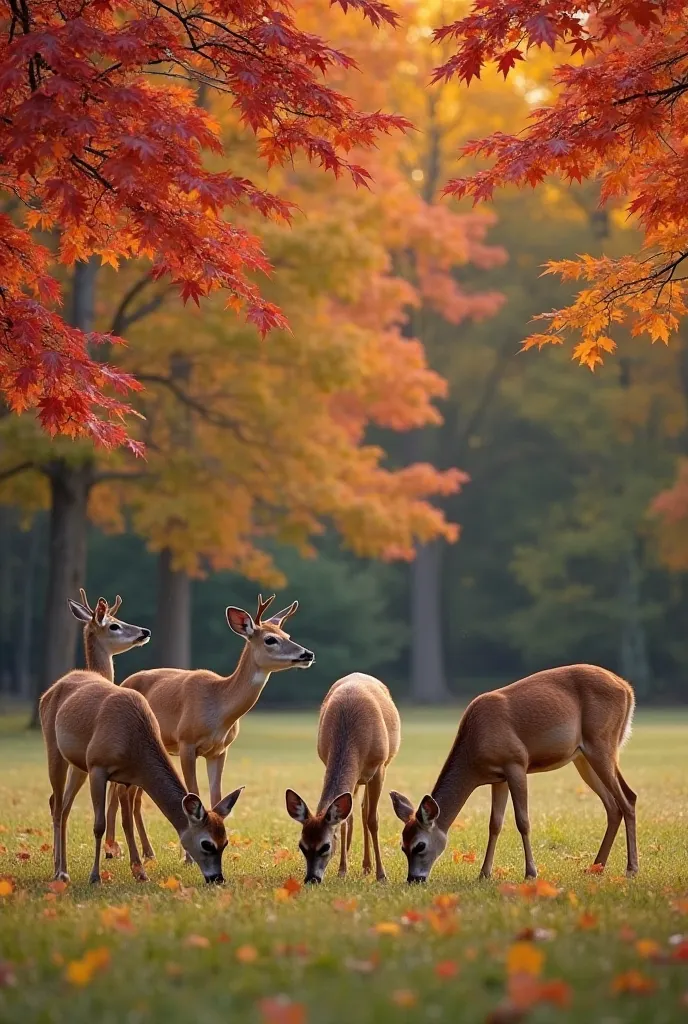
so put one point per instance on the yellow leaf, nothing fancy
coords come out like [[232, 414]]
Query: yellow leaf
[[525, 958], [171, 883], [387, 928], [6, 887], [647, 948]]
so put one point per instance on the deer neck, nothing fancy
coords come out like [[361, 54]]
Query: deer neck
[[98, 659], [454, 785], [245, 685], [157, 777], [342, 773]]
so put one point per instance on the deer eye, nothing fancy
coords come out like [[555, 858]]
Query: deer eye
[[324, 849], [114, 626], [207, 846], [419, 848], [271, 640]]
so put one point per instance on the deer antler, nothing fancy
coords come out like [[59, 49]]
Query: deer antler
[[262, 607], [115, 607], [84, 600]]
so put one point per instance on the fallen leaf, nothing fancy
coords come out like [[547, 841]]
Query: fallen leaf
[[572, 898], [634, 982], [446, 969], [442, 923], [282, 1010], [505, 1013], [647, 948], [411, 917], [293, 886], [23, 855], [49, 913], [281, 855], [387, 928], [106, 876], [3, 848], [171, 883], [345, 906], [446, 901], [80, 972], [6, 887], [626, 934], [680, 906], [524, 958], [595, 869], [45, 847], [404, 997], [587, 921], [196, 942], [680, 951], [223, 937], [117, 918], [247, 954], [57, 886], [525, 991], [173, 970]]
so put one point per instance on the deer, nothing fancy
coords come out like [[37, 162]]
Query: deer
[[575, 713], [104, 634], [199, 712], [359, 733], [97, 731]]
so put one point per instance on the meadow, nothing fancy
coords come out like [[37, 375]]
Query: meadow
[[261, 950]]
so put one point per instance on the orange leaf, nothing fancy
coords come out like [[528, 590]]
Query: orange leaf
[[626, 934], [247, 954], [345, 906], [595, 869], [634, 982], [117, 918], [49, 912], [23, 855], [196, 942], [404, 997], [387, 928], [171, 883], [292, 886], [442, 924], [281, 1010], [6, 887], [647, 948], [58, 886], [446, 901], [524, 958], [587, 921]]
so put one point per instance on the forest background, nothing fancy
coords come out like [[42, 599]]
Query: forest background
[[278, 463]]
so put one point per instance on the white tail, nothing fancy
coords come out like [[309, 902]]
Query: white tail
[[358, 735], [578, 713]]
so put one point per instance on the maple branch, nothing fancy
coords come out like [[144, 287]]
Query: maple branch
[[216, 419], [91, 171], [122, 319], [6, 474]]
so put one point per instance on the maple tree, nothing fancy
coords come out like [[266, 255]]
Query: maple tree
[[617, 115], [103, 143]]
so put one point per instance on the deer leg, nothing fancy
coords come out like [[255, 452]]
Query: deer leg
[[609, 775], [215, 766], [57, 770], [517, 781], [367, 865], [98, 780], [75, 780], [112, 847], [127, 798], [614, 815], [374, 790], [349, 831], [500, 795], [343, 851], [146, 848], [187, 756]]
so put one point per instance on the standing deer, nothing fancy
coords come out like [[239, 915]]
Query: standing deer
[[579, 713], [96, 730], [199, 711], [358, 735]]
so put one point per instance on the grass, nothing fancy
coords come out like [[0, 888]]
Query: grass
[[331, 962]]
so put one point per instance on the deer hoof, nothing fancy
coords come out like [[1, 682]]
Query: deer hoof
[[62, 876], [382, 878], [113, 851], [94, 878]]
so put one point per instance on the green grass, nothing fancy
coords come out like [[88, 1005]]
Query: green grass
[[154, 976]]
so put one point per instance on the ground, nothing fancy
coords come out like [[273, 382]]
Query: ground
[[352, 950]]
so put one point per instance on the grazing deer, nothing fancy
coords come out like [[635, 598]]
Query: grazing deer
[[358, 735], [579, 713], [199, 711], [96, 730], [104, 634]]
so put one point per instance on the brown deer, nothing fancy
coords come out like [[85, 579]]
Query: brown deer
[[96, 730], [358, 735], [579, 713], [199, 711]]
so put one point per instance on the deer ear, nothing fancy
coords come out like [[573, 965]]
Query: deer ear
[[101, 611], [296, 807], [194, 809], [340, 809], [78, 611], [428, 811], [224, 808], [281, 617], [403, 808], [240, 622]]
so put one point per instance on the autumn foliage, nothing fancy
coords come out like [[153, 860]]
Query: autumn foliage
[[103, 144], [618, 116]]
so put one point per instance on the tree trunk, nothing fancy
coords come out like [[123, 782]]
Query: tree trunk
[[69, 486], [7, 660], [633, 653], [173, 619], [24, 664], [69, 490], [428, 680]]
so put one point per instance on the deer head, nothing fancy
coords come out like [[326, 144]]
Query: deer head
[[104, 629], [271, 647], [319, 831], [421, 840], [205, 836]]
